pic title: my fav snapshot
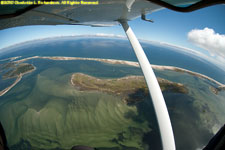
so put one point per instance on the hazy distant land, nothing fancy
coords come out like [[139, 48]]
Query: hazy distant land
[[11, 58], [23, 68]]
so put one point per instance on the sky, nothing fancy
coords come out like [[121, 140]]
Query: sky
[[202, 30]]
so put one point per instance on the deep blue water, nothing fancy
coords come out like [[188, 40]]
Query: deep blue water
[[114, 49]]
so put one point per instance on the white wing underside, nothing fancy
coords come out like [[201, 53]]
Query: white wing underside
[[106, 13]]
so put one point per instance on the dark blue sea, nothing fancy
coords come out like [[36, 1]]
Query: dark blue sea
[[113, 48]]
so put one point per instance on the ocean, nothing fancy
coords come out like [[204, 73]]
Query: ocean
[[44, 111], [115, 49]]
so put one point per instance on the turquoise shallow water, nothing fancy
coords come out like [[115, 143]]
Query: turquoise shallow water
[[44, 111]]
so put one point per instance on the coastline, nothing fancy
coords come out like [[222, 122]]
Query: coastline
[[19, 77], [131, 89], [130, 63], [189, 72], [109, 61], [11, 86], [11, 58]]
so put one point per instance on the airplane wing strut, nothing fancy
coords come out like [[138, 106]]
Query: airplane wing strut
[[159, 104]]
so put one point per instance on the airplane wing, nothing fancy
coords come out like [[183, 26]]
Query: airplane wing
[[100, 13], [107, 13]]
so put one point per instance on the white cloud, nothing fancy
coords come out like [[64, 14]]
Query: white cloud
[[207, 39]]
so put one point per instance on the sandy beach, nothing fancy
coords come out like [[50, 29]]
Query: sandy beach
[[109, 61], [11, 86]]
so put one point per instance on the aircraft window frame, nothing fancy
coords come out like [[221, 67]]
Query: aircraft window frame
[[189, 8], [162, 3]]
